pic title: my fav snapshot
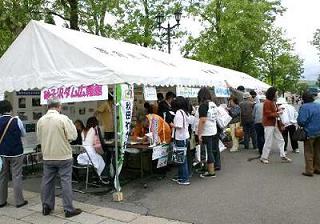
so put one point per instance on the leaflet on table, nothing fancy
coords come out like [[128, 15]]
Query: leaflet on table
[[68, 94]]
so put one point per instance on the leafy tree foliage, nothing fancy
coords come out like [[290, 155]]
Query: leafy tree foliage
[[316, 40]]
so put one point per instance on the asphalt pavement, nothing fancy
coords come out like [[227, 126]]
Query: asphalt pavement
[[242, 193]]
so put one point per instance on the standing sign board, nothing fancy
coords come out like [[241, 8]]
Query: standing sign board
[[73, 94], [124, 99], [150, 93]]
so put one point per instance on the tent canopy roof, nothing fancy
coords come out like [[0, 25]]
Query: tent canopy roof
[[45, 55]]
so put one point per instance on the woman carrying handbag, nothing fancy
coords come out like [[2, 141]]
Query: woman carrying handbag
[[181, 137]]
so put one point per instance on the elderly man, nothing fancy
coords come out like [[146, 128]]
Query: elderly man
[[54, 131], [247, 121], [257, 114]]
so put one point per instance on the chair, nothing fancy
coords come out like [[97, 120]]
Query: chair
[[77, 150]]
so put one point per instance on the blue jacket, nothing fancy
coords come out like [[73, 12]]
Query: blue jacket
[[309, 119], [11, 144]]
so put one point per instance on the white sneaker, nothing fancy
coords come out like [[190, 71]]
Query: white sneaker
[[264, 161], [286, 159], [183, 182], [234, 150]]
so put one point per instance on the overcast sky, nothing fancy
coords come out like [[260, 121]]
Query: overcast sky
[[301, 20]]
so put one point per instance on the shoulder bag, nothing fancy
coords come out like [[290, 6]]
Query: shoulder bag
[[239, 133], [1, 139], [97, 143], [299, 134], [6, 129], [179, 153]]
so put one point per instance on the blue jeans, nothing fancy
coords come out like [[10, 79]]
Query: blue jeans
[[183, 170]]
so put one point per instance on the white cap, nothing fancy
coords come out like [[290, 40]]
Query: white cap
[[281, 100]]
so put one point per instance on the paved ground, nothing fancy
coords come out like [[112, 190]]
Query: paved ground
[[31, 214], [242, 193]]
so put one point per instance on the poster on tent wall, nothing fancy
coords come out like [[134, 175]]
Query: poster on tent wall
[[221, 91], [150, 93], [71, 94], [187, 92], [124, 97]]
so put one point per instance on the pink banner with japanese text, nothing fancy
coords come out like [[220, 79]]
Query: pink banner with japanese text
[[70, 94]]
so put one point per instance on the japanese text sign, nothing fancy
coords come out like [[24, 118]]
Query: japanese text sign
[[68, 94]]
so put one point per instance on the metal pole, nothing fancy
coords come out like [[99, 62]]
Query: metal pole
[[169, 38]]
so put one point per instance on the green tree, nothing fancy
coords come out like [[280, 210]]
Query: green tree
[[136, 22], [279, 66], [316, 40], [14, 16], [300, 87], [234, 33]]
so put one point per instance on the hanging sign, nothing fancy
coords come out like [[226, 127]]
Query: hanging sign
[[150, 93], [70, 94], [187, 91], [221, 92], [159, 151], [124, 98], [162, 162]]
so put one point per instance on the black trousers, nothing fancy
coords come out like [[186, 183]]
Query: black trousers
[[260, 136], [212, 144], [289, 130]]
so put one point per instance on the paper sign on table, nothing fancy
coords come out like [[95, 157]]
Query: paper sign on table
[[162, 162], [159, 151]]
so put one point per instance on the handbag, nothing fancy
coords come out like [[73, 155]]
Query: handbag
[[299, 134], [239, 132], [179, 154]]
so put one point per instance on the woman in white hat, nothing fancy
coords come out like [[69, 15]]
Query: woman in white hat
[[289, 120]]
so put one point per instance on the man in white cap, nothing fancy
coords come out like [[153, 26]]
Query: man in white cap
[[289, 120]]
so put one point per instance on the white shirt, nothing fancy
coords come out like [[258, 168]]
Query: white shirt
[[289, 115], [181, 124], [210, 126]]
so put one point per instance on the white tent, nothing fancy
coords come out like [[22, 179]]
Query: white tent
[[45, 55]]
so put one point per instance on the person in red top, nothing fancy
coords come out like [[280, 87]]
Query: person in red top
[[273, 136]]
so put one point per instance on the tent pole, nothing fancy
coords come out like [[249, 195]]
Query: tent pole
[[117, 195]]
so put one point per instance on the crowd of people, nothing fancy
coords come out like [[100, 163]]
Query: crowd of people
[[268, 122]]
